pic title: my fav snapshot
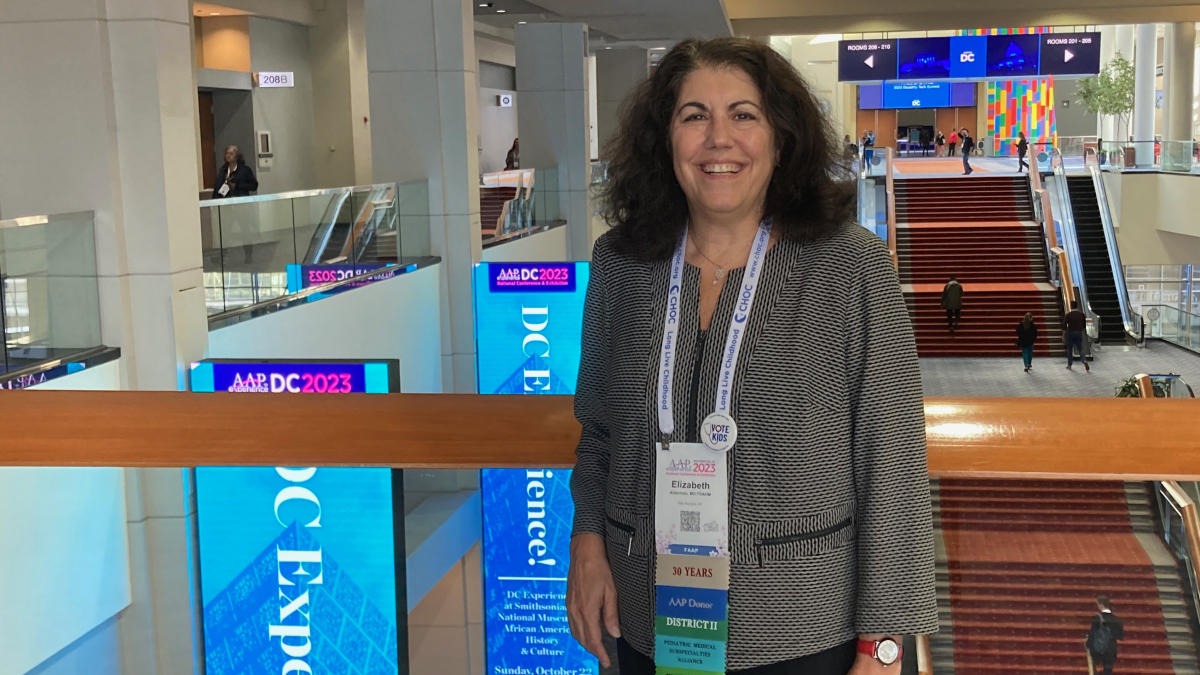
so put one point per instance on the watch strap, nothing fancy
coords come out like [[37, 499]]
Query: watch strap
[[871, 649]]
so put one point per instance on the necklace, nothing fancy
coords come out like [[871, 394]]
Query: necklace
[[720, 268]]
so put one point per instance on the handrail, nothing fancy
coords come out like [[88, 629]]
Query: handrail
[[1066, 287], [924, 656], [891, 208], [1145, 385], [1070, 238], [1182, 504], [1060, 263], [976, 437], [1110, 238], [294, 194]]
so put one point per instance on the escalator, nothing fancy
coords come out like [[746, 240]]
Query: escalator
[[1095, 259], [350, 235]]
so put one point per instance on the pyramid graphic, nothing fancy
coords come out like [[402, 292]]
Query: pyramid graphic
[[515, 384], [350, 636], [1013, 51]]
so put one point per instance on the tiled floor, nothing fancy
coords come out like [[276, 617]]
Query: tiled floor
[[1049, 377]]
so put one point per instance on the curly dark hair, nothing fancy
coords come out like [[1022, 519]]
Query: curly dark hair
[[810, 194]]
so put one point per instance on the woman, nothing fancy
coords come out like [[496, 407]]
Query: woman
[[940, 143], [1022, 150], [953, 141], [851, 147], [1027, 333], [234, 178], [722, 157], [512, 160]]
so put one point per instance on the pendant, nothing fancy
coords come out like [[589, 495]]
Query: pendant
[[720, 273]]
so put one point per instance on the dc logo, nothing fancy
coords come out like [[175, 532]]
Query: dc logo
[[916, 103], [966, 57]]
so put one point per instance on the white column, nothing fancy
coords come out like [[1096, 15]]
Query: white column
[[424, 124], [552, 114], [1105, 125], [618, 71], [99, 112], [1179, 52], [1145, 60], [1124, 46]]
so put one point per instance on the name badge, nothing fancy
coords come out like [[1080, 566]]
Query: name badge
[[691, 512]]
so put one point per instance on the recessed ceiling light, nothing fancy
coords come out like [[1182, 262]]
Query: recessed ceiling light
[[485, 4], [522, 22], [214, 14], [499, 11]]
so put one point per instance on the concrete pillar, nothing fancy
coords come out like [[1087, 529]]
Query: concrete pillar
[[1145, 60], [339, 82], [618, 71], [552, 114], [423, 89], [105, 122], [1179, 53], [1105, 124], [1124, 47]]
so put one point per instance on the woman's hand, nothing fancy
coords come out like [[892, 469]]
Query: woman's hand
[[591, 595], [869, 665]]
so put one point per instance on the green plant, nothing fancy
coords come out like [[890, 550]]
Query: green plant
[[1128, 388], [1111, 91]]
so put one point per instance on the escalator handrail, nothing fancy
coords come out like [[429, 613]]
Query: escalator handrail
[[1070, 241], [380, 200], [1110, 239], [320, 238]]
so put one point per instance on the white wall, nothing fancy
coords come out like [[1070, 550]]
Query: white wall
[[497, 129], [393, 319], [97, 653], [104, 377], [1155, 220], [548, 246], [287, 112]]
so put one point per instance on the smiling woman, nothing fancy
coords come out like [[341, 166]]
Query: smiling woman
[[753, 496]]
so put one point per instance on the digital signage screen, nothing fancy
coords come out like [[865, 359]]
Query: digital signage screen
[[904, 95], [1070, 53], [968, 57], [924, 58], [962, 94], [528, 330], [1013, 55], [300, 277], [866, 60], [301, 568]]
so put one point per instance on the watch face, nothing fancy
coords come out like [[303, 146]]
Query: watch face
[[887, 652]]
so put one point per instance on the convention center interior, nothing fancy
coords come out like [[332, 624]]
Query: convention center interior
[[341, 337]]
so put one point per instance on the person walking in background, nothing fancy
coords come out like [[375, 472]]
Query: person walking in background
[[953, 141], [924, 142], [1073, 324], [952, 294], [939, 144], [512, 161], [234, 178], [1027, 334], [1107, 630], [1022, 150], [968, 144], [851, 148]]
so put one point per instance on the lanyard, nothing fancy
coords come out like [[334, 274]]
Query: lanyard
[[733, 339]]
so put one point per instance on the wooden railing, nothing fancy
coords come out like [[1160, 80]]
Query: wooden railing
[[891, 207], [975, 437], [1040, 193]]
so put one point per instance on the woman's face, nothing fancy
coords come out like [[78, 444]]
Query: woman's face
[[230, 155], [722, 145]]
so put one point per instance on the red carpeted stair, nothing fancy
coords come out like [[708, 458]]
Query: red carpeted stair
[[491, 206], [979, 229], [1024, 562]]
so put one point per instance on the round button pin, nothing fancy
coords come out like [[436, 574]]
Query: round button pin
[[719, 432]]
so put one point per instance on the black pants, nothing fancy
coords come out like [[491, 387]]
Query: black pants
[[1104, 660], [953, 316], [951, 149], [833, 661], [966, 163], [1023, 164]]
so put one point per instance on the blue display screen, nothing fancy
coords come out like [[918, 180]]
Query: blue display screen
[[1070, 53], [962, 94], [290, 377], [1012, 55], [968, 56], [528, 330], [924, 58], [528, 336], [916, 94], [300, 277], [298, 565]]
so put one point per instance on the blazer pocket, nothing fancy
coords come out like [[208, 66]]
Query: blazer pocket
[[798, 539], [626, 534]]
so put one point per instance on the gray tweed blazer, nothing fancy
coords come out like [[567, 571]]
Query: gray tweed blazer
[[831, 529]]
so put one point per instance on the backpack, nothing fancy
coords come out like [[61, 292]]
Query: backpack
[[1101, 640]]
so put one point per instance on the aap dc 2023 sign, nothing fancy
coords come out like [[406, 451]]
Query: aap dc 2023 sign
[[528, 328]]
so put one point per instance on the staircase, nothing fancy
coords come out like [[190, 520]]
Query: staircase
[[1023, 564], [982, 231], [1093, 250], [491, 206]]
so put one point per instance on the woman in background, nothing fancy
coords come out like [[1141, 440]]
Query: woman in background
[[1027, 333], [234, 178]]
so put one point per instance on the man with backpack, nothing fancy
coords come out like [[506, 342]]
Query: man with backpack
[[1106, 631]]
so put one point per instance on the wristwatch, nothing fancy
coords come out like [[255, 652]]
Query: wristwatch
[[886, 651]]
